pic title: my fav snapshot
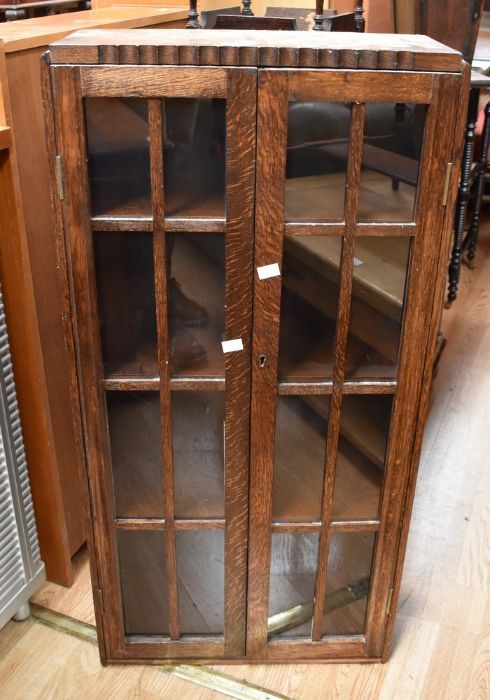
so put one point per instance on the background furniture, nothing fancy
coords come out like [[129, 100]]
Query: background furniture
[[472, 183], [170, 173], [21, 568], [18, 9], [52, 432]]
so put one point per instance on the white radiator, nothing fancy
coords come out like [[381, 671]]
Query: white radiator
[[21, 568]]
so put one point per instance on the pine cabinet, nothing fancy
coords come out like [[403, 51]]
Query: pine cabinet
[[255, 228]]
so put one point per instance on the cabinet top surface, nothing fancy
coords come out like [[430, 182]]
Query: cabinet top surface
[[256, 48]]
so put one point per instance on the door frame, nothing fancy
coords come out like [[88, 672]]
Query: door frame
[[238, 87], [276, 88]]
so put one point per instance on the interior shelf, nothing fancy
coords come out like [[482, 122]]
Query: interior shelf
[[310, 279], [317, 198], [301, 431]]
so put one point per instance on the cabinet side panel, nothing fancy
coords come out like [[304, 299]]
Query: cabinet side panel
[[456, 138], [420, 299]]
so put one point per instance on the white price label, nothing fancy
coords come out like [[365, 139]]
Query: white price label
[[267, 271], [232, 345]]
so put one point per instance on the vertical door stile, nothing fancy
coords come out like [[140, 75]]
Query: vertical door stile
[[342, 327], [271, 164], [240, 191], [419, 302], [155, 116], [76, 219]]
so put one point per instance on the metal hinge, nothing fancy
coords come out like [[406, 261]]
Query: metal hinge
[[388, 603], [59, 177], [449, 169], [101, 601]]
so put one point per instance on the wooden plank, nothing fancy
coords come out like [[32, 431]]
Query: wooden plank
[[266, 49], [335, 526], [240, 192], [153, 81], [314, 388], [360, 86], [269, 227], [309, 228], [27, 359], [356, 138], [155, 124], [47, 271], [41, 31]]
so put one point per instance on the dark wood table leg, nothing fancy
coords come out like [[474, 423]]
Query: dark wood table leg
[[193, 21], [247, 8], [474, 229], [463, 196]]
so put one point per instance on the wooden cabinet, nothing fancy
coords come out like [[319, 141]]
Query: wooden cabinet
[[256, 227]]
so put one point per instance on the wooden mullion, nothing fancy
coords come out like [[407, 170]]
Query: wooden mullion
[[200, 524], [272, 116], [240, 191], [131, 383], [386, 229], [307, 228], [383, 228], [175, 224], [140, 523], [122, 223], [356, 137], [160, 524], [155, 116], [197, 383], [195, 224], [286, 388], [335, 526], [153, 383]]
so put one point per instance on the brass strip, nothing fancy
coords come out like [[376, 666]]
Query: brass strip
[[199, 675], [63, 623], [294, 617]]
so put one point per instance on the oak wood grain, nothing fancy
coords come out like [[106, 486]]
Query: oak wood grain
[[267, 48]]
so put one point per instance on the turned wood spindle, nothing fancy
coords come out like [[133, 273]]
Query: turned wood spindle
[[359, 20], [247, 8], [319, 26], [193, 21]]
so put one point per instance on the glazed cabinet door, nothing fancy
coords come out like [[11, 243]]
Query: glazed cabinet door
[[351, 174], [158, 169]]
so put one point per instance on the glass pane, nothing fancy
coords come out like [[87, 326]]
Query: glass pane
[[126, 302], [196, 303], [118, 155], [318, 134], [301, 434], [310, 285], [378, 292], [292, 584], [364, 429], [143, 581], [350, 558], [201, 581], [136, 456], [198, 443], [195, 157], [393, 137]]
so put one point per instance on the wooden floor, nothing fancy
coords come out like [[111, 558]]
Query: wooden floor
[[441, 649]]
